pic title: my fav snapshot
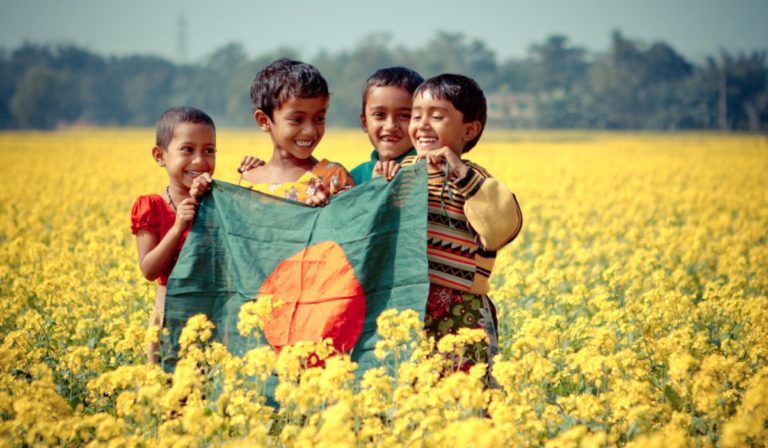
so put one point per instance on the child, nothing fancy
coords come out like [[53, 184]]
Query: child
[[186, 147], [386, 114], [470, 214], [290, 100]]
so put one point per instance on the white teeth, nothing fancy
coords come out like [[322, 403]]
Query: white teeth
[[304, 143]]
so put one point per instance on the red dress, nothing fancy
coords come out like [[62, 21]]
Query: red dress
[[153, 214]]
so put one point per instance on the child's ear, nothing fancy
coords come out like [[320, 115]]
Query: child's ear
[[471, 130], [159, 155], [363, 123], [262, 120]]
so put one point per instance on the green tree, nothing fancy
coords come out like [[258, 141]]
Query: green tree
[[44, 98], [743, 84], [557, 75], [633, 82]]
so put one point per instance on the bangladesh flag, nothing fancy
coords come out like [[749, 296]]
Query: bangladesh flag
[[335, 268]]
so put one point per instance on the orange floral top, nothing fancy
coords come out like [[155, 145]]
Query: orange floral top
[[324, 172]]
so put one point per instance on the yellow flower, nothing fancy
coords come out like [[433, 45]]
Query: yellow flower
[[197, 330]]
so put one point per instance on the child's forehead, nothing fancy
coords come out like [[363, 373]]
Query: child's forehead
[[294, 103], [191, 129], [427, 99], [389, 94]]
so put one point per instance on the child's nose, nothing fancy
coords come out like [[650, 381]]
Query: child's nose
[[311, 129], [197, 157], [391, 123]]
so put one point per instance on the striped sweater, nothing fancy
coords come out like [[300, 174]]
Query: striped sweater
[[469, 219]]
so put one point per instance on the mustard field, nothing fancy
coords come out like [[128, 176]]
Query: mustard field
[[633, 307]]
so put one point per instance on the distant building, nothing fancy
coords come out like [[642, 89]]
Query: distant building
[[510, 109]]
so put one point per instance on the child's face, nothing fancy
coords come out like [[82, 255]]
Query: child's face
[[191, 152], [436, 123], [297, 125], [386, 118]]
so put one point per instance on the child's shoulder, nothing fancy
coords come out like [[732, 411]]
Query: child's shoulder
[[327, 165], [477, 168], [147, 211], [149, 201], [333, 172]]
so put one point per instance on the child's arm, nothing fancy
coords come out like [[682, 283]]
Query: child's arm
[[155, 256], [491, 208]]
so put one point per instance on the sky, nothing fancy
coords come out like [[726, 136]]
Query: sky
[[696, 28]]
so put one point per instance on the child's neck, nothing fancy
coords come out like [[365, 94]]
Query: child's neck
[[287, 168], [282, 167], [178, 193]]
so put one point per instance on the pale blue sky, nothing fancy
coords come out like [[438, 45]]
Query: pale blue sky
[[695, 27]]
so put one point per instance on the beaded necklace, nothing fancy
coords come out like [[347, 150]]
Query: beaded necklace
[[170, 199]]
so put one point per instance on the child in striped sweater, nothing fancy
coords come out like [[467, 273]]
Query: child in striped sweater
[[470, 214]]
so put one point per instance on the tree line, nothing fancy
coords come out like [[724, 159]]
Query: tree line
[[632, 85]]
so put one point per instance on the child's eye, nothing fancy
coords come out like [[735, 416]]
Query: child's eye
[[210, 150], [405, 116], [187, 149], [320, 119], [378, 115], [415, 117], [437, 117]]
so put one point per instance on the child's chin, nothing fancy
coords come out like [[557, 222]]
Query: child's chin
[[391, 153], [427, 149]]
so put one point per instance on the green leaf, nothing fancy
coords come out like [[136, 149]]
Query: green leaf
[[673, 397]]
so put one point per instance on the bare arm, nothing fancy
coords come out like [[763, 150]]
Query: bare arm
[[156, 256]]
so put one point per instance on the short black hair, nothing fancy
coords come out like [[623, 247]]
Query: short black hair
[[465, 95], [397, 76], [175, 116], [283, 79]]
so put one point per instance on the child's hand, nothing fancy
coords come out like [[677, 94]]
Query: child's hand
[[386, 169], [248, 163], [185, 213], [200, 185], [438, 158], [322, 195]]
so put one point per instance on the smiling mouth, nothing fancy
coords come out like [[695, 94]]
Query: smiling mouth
[[304, 143], [194, 173], [390, 138], [426, 141]]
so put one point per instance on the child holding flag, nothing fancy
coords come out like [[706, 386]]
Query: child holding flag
[[386, 114], [185, 146], [290, 100], [470, 214]]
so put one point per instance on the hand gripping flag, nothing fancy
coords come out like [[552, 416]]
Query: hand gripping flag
[[334, 268]]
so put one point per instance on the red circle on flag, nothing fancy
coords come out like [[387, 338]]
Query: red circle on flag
[[321, 298]]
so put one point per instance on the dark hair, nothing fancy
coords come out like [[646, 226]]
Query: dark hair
[[465, 95], [175, 116], [398, 76], [283, 79]]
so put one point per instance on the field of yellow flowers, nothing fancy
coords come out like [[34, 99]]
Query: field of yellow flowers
[[633, 307]]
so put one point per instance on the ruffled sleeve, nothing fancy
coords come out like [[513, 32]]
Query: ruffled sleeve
[[144, 215]]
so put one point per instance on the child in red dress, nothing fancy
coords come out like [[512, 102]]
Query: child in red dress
[[186, 147]]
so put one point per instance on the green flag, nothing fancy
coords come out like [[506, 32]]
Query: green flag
[[336, 267]]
